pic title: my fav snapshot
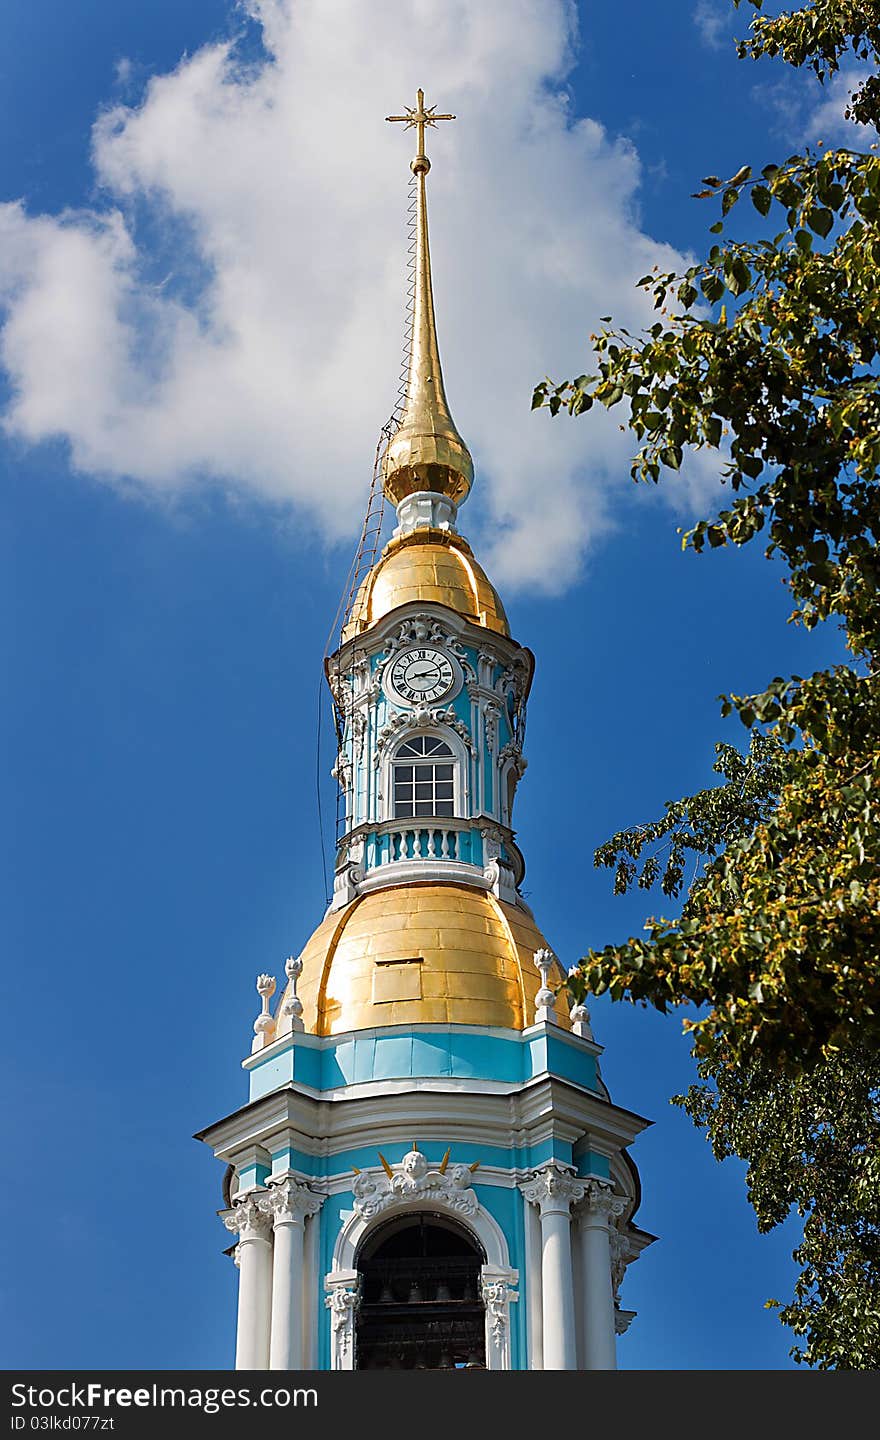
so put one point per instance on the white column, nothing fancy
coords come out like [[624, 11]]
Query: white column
[[599, 1211], [342, 1302], [552, 1189], [288, 1204], [496, 1289], [247, 1220]]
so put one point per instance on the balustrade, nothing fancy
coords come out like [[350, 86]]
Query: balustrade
[[399, 841]]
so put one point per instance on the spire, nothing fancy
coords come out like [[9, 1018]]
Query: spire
[[426, 454]]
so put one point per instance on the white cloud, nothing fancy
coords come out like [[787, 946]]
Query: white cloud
[[233, 311], [712, 19], [828, 121]]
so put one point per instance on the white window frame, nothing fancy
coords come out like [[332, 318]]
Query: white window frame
[[460, 787]]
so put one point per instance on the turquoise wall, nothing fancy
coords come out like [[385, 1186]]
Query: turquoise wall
[[327, 1062]]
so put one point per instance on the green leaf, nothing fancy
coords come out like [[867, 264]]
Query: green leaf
[[712, 287], [821, 220], [761, 199]]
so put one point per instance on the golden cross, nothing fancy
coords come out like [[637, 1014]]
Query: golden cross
[[418, 118]]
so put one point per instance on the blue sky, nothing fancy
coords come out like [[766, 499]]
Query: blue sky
[[202, 274]]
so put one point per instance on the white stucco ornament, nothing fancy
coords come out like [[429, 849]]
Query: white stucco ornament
[[416, 1179]]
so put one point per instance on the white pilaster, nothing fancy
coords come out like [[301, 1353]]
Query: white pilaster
[[553, 1188], [496, 1289], [596, 1216], [288, 1204], [247, 1220], [534, 1288], [311, 1289]]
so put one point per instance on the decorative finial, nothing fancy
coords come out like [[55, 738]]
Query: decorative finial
[[428, 470], [545, 999], [579, 1016], [293, 1005], [264, 1025]]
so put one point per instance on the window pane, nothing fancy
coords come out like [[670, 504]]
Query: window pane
[[424, 772], [424, 791], [443, 772], [424, 807], [409, 747], [444, 790], [402, 809], [443, 807], [403, 772]]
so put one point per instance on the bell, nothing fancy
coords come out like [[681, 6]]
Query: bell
[[387, 1295], [415, 1292], [443, 1291]]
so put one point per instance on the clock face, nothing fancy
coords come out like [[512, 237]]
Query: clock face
[[421, 674]]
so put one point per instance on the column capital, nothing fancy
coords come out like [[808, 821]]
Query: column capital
[[286, 1202], [554, 1187], [247, 1220], [600, 1205]]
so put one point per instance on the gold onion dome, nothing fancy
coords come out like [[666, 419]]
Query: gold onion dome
[[434, 566], [470, 962]]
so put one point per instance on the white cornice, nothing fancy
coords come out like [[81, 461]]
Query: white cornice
[[536, 1112], [477, 636]]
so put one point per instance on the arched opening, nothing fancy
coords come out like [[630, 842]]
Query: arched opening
[[420, 1306]]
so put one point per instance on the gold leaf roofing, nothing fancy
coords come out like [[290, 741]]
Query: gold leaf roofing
[[471, 961], [427, 565]]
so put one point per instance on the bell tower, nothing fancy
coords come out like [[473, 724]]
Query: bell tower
[[427, 1002]]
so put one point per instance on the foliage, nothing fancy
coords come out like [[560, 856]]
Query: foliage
[[786, 389], [767, 353], [701, 824], [810, 1143], [780, 936], [819, 35]]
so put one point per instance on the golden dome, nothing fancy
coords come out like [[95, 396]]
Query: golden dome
[[429, 565], [419, 955]]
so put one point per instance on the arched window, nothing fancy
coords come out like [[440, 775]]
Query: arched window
[[423, 775]]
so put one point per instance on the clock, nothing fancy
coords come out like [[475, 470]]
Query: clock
[[421, 673]]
